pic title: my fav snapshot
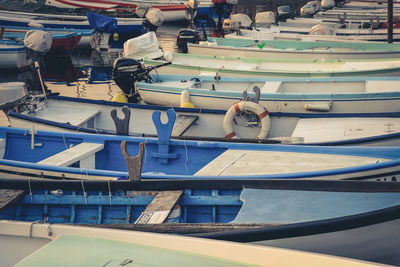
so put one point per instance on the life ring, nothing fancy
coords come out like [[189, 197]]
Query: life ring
[[256, 108]]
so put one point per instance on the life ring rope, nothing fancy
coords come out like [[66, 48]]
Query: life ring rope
[[256, 108]]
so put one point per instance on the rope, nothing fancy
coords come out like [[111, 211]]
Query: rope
[[187, 156], [30, 190], [109, 192], [84, 192], [145, 154], [31, 227], [65, 144]]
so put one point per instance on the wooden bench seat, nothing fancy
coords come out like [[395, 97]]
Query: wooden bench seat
[[160, 208], [82, 117], [270, 87], [182, 123], [84, 152]]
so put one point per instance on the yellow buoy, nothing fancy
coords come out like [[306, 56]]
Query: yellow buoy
[[187, 104], [185, 100], [119, 97]]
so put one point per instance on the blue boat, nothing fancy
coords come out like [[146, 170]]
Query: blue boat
[[114, 31], [272, 212], [58, 155]]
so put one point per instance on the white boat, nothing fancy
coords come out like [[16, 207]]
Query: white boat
[[282, 65], [342, 95], [259, 48], [279, 36], [31, 244], [94, 116], [13, 56]]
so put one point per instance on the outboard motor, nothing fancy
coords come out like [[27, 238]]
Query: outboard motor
[[187, 36], [126, 72]]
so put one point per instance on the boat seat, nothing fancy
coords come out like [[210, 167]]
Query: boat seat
[[84, 152], [82, 117], [179, 84], [270, 87], [160, 208], [2, 147], [381, 86], [182, 123]]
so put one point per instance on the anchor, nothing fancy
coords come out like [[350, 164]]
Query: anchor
[[121, 125], [164, 135]]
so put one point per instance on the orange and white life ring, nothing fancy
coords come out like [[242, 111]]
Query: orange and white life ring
[[256, 108]]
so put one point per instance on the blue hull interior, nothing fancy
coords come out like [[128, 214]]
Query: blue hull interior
[[123, 207]]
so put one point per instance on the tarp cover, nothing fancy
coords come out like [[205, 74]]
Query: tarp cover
[[143, 46], [38, 40], [155, 16], [102, 23]]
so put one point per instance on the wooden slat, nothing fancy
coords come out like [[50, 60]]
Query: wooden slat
[[161, 206], [182, 123], [73, 154], [8, 196]]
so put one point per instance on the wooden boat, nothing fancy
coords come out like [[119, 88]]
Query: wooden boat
[[80, 36], [13, 56], [173, 10], [125, 247], [11, 93], [293, 49], [342, 95], [192, 207], [55, 155], [194, 64], [93, 116]]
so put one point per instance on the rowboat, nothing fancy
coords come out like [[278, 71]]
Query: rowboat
[[66, 41], [342, 95], [83, 36], [279, 36], [108, 246], [25, 19], [294, 49], [223, 205], [55, 155], [326, 29], [228, 210], [194, 64], [68, 114], [13, 56], [11, 93], [173, 10]]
